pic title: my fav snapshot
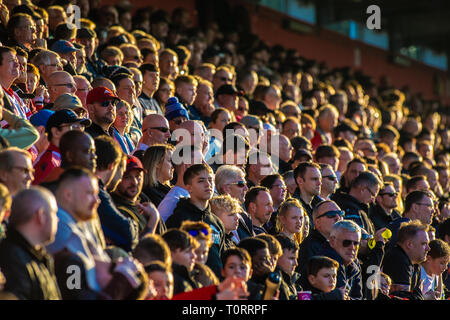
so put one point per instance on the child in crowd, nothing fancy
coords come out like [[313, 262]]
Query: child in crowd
[[321, 274], [286, 265], [432, 269], [161, 277]]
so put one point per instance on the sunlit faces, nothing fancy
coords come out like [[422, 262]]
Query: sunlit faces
[[325, 280], [230, 220], [187, 92], [346, 243], [163, 284], [165, 172], [131, 184], [418, 247], [201, 252], [261, 209], [10, 67], [84, 199], [21, 174], [185, 257], [353, 171], [201, 186], [437, 266], [292, 220], [311, 182], [235, 266]]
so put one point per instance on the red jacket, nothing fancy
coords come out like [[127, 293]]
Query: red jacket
[[48, 161]]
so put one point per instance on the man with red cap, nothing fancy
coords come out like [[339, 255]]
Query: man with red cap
[[132, 204], [101, 104]]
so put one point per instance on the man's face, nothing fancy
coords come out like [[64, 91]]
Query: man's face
[[184, 257], [288, 261], [27, 31], [325, 223], [273, 98], [163, 283], [20, 176], [55, 64], [238, 188], [263, 167], [158, 130], [83, 88], [278, 191], [368, 193], [292, 129], [80, 56], [89, 45], [325, 280], [419, 247], [64, 83], [202, 186], [103, 115], [329, 181], [133, 55], [131, 185], [443, 178], [332, 161], [261, 263], [350, 136], [234, 266], [220, 78], [285, 149], [151, 81], [311, 182], [23, 69], [83, 154], [263, 207], [329, 121], [126, 90], [187, 92], [204, 100], [393, 164], [424, 210], [167, 66], [388, 197], [85, 200], [10, 67], [368, 148], [228, 101], [353, 171], [346, 244]]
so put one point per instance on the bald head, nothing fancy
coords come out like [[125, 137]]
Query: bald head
[[78, 149], [60, 82], [155, 130], [103, 82]]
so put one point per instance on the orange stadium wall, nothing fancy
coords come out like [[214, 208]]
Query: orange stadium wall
[[325, 45]]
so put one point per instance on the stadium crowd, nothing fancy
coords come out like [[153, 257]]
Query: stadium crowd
[[142, 157]]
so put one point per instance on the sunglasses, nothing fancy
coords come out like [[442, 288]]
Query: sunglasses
[[332, 178], [195, 233], [162, 129], [347, 243], [390, 194], [332, 214], [240, 184], [108, 102]]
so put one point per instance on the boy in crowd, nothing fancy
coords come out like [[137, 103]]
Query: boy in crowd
[[286, 264], [322, 274], [432, 269]]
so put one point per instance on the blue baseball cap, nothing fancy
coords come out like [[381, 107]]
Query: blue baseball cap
[[63, 46], [40, 118]]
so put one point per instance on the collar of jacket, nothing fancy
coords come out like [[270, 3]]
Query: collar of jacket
[[355, 202], [186, 203], [16, 237], [290, 280], [182, 271]]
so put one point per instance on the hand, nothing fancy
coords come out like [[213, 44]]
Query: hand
[[40, 91], [378, 237], [149, 210], [232, 289]]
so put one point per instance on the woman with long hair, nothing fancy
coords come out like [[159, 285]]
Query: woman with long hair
[[121, 126], [157, 162], [290, 220]]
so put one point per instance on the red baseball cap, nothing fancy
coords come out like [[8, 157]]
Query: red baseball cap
[[134, 163], [100, 94]]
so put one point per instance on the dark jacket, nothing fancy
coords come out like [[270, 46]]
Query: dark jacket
[[288, 286], [118, 230], [313, 244], [373, 259], [156, 194], [185, 210], [130, 210], [245, 227], [229, 243], [183, 279], [354, 210], [380, 218], [94, 130], [29, 272]]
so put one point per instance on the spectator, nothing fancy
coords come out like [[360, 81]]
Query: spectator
[[16, 170], [121, 126], [227, 209], [322, 274], [259, 206], [286, 266], [60, 82], [383, 212], [101, 103], [150, 75], [329, 181], [432, 269]]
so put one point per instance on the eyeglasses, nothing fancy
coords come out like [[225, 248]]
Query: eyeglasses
[[25, 170], [332, 214], [73, 126], [240, 184], [162, 129], [68, 85], [332, 178], [347, 243], [195, 233], [108, 102], [390, 194]]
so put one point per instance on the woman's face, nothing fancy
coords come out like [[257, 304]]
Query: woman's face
[[122, 118], [293, 220], [32, 82], [165, 92], [222, 120], [165, 171]]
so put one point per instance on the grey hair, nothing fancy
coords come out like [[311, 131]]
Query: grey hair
[[347, 225], [225, 174]]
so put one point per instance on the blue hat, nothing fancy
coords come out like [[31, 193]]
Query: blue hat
[[63, 46], [175, 109], [40, 118]]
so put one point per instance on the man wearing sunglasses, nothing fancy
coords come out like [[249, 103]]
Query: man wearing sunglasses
[[57, 124], [58, 83], [101, 104], [155, 130], [363, 191], [383, 212], [329, 181]]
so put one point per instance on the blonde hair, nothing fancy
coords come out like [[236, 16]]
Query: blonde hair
[[225, 203], [282, 212], [153, 157]]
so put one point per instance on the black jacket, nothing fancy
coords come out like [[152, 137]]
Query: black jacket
[[313, 244], [29, 272], [381, 218], [368, 264], [288, 286], [245, 227], [185, 210], [183, 279], [95, 130], [156, 194], [354, 210]]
